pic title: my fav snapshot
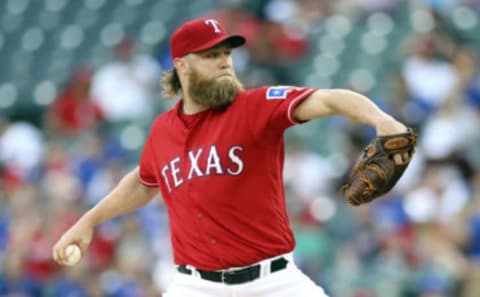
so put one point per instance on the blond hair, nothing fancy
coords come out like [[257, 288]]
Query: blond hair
[[171, 83]]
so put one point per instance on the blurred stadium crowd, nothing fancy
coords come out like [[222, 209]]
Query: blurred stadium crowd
[[79, 86]]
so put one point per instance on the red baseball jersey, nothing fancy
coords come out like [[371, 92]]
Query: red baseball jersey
[[220, 174]]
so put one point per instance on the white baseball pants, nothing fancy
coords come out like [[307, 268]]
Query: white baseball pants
[[288, 282]]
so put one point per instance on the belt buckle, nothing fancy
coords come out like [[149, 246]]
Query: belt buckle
[[224, 276]]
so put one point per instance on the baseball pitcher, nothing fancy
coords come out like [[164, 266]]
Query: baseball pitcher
[[217, 160]]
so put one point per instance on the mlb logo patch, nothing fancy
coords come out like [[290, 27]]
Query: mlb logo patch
[[278, 92]]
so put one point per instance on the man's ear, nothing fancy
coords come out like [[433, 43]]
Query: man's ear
[[181, 65]]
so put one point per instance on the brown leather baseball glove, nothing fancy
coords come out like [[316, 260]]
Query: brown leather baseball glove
[[376, 171]]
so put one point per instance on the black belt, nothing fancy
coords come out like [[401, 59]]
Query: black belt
[[235, 277]]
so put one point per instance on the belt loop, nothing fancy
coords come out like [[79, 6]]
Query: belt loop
[[265, 267], [289, 257], [194, 271], [185, 269]]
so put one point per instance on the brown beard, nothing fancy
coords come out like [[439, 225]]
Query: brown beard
[[212, 93]]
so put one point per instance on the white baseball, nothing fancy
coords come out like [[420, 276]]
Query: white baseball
[[73, 254]]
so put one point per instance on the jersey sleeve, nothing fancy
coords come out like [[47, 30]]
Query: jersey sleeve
[[274, 106], [146, 170]]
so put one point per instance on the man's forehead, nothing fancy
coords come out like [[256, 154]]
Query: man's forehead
[[220, 46]]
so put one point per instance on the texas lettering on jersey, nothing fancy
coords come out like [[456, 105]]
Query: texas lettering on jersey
[[202, 163]]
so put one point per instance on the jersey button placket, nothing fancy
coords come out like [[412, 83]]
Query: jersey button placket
[[191, 196], [200, 217]]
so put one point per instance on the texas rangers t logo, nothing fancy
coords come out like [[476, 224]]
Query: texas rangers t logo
[[214, 23]]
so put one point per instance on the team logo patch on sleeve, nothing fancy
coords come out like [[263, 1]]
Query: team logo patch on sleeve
[[278, 92]]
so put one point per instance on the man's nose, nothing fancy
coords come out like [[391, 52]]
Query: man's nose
[[223, 61]]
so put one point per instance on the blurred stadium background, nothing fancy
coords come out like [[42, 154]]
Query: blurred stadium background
[[79, 87]]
